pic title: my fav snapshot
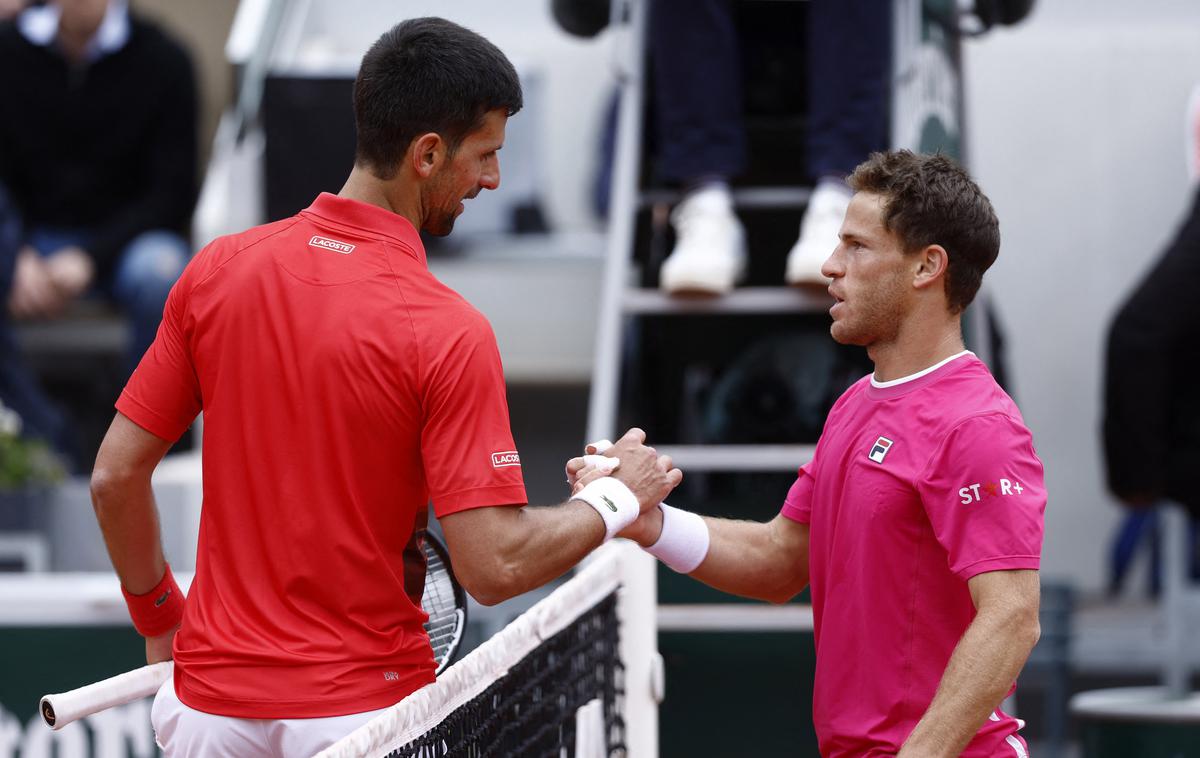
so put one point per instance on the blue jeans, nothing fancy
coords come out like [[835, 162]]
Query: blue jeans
[[145, 272], [698, 89]]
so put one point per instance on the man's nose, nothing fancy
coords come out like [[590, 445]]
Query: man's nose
[[490, 178], [832, 266]]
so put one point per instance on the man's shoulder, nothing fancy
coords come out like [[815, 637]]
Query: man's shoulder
[[152, 39], [973, 391], [221, 250]]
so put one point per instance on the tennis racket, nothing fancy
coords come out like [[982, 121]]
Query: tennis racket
[[443, 600]]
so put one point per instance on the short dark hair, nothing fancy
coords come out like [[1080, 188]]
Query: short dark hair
[[931, 200], [427, 75]]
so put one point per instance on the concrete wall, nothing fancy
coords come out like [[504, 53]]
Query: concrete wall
[[1076, 131]]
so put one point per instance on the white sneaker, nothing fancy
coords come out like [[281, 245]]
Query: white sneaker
[[818, 233], [710, 245]]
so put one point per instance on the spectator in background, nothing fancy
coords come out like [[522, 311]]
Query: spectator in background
[[18, 389], [701, 135], [1152, 414], [1151, 411], [98, 156]]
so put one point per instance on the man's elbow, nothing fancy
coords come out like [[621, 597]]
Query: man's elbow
[[1024, 627], [105, 481], [107, 484], [1033, 630], [491, 585], [786, 592]]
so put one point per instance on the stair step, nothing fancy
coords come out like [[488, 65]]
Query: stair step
[[747, 300], [734, 617]]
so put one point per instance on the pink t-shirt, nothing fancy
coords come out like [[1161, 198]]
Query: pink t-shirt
[[916, 486]]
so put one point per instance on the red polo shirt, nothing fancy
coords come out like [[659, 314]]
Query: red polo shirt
[[343, 389]]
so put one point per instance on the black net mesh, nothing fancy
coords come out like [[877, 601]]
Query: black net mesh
[[530, 712]]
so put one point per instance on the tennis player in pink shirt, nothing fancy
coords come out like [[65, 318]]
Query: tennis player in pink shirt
[[918, 522]]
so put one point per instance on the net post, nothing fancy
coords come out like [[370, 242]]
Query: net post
[[637, 607]]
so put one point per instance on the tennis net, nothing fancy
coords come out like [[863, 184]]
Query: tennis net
[[550, 684]]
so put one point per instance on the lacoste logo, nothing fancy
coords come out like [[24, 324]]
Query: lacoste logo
[[611, 505], [507, 458], [880, 449], [334, 245], [158, 603]]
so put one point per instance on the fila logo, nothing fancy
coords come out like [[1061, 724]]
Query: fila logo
[[507, 458], [972, 492], [881, 448], [334, 245]]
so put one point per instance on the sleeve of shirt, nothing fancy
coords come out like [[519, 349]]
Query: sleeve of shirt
[[163, 395], [984, 493], [467, 446], [798, 504]]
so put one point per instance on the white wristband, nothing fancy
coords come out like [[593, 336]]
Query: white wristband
[[683, 543], [615, 503]]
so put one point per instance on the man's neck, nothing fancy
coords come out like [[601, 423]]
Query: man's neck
[[73, 45], [916, 350], [365, 187]]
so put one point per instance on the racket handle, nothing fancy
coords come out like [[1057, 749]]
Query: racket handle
[[62, 708]]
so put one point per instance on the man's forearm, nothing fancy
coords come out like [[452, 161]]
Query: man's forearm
[[545, 544], [755, 560], [980, 673], [747, 558], [129, 522]]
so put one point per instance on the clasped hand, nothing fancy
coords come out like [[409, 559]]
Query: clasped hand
[[650, 476]]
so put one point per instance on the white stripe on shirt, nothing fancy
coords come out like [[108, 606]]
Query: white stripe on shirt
[[919, 374], [1017, 747]]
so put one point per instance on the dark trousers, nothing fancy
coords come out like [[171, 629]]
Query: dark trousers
[[699, 128]]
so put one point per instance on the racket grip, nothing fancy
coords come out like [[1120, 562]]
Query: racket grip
[[62, 708]]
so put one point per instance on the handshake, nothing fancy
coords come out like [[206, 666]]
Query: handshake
[[626, 483]]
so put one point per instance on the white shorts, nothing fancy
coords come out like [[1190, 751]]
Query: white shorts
[[184, 732]]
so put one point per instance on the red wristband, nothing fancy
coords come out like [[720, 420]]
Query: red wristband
[[159, 610]]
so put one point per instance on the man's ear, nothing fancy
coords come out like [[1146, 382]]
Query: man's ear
[[427, 153], [932, 263]]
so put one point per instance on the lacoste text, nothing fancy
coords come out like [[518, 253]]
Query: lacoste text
[[507, 458], [334, 245]]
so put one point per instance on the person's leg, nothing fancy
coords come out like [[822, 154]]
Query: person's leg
[[145, 273], [311, 736], [700, 139], [184, 732], [697, 90], [849, 64]]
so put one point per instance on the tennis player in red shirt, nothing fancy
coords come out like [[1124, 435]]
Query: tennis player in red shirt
[[343, 388], [918, 522]]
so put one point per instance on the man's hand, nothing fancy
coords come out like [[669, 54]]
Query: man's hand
[[71, 270], [160, 648], [649, 476], [34, 293]]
